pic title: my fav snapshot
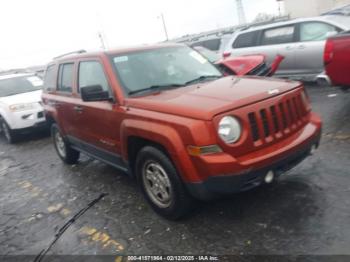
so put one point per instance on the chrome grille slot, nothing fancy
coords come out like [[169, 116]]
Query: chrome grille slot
[[265, 122]]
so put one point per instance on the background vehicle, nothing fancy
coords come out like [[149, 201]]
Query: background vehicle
[[168, 116], [216, 44], [300, 41], [242, 65], [337, 59], [21, 110]]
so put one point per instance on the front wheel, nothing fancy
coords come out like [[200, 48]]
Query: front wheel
[[9, 134], [64, 150], [161, 185]]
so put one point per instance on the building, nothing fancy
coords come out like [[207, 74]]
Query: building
[[306, 8]]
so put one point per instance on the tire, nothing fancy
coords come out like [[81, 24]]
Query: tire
[[161, 184], [9, 134], [68, 155]]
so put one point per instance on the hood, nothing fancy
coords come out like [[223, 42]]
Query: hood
[[29, 97], [205, 100], [242, 65]]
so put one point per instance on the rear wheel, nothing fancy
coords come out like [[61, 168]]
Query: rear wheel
[[64, 150], [161, 185], [9, 134]]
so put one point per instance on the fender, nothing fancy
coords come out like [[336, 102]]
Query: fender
[[164, 135]]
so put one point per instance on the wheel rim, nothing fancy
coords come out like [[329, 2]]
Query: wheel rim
[[60, 145], [6, 131], [157, 184]]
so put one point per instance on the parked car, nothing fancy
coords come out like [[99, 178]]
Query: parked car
[[21, 110], [167, 116], [242, 65], [337, 60], [300, 41]]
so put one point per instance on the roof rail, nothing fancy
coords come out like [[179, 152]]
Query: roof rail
[[267, 22], [71, 53]]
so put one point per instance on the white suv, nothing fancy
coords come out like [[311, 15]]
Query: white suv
[[20, 105]]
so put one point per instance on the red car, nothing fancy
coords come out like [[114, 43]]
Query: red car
[[337, 60], [242, 65], [168, 117]]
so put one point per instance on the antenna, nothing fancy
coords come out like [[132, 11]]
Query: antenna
[[241, 14]]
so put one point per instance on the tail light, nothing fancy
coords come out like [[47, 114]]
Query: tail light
[[329, 52]]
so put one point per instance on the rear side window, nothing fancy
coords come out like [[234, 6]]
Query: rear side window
[[50, 79], [280, 35], [65, 78], [91, 73], [316, 31], [211, 44], [245, 40]]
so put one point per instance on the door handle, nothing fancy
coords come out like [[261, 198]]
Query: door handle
[[289, 48], [302, 47], [78, 109]]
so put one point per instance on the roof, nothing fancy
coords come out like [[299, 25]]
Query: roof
[[116, 51], [334, 19]]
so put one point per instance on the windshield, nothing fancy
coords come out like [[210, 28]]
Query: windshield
[[18, 85], [162, 67]]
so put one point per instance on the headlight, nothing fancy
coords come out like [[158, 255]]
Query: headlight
[[229, 129], [22, 107]]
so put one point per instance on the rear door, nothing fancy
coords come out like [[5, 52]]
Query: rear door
[[64, 102], [309, 50]]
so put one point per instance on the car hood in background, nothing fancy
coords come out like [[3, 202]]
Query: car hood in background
[[29, 97], [205, 100], [242, 65]]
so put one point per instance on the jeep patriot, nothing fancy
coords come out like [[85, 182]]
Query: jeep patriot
[[168, 117]]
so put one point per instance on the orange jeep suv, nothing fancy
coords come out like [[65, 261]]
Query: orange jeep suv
[[167, 116]]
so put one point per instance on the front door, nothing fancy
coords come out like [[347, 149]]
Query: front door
[[97, 123]]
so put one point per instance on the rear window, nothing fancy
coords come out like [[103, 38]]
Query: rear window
[[211, 44], [19, 85], [245, 40], [280, 35]]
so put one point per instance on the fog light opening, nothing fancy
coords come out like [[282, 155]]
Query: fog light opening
[[270, 176]]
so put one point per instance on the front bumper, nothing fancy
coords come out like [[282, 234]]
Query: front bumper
[[252, 173], [29, 119]]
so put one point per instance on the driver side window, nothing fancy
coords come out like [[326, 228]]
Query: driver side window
[[91, 73]]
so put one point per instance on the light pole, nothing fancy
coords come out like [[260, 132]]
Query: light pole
[[164, 26]]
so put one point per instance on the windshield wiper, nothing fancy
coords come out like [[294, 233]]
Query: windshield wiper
[[155, 87], [202, 78]]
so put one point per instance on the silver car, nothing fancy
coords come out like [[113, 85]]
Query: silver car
[[301, 41]]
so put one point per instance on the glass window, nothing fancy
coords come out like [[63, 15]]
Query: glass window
[[280, 35], [315, 31], [245, 40], [50, 79], [168, 66], [20, 84], [65, 81], [211, 44], [91, 73]]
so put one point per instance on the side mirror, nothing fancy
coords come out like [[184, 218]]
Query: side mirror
[[94, 93]]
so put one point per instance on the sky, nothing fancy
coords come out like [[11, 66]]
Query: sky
[[35, 31]]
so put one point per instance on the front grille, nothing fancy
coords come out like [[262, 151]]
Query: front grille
[[277, 119]]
